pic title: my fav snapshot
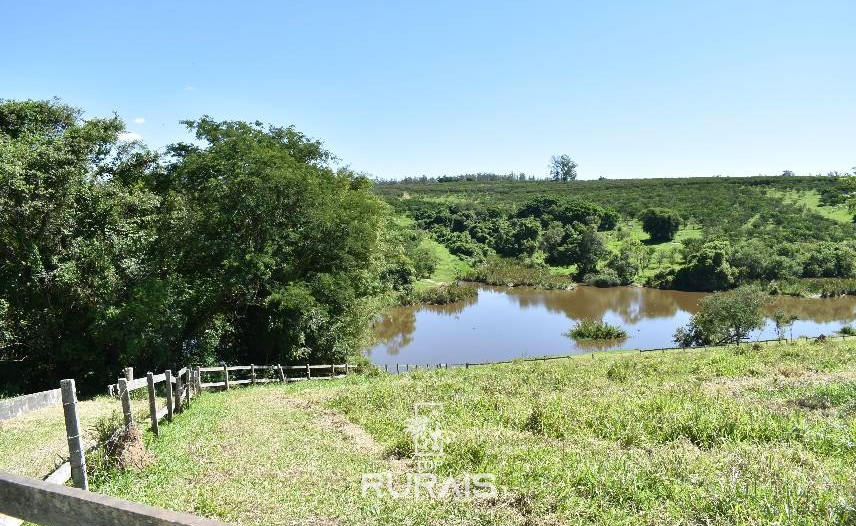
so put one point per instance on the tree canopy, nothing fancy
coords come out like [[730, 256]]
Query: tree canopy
[[244, 246]]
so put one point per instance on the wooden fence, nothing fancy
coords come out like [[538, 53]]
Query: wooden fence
[[51, 503], [261, 374]]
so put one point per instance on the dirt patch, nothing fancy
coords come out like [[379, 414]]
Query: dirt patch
[[328, 419]]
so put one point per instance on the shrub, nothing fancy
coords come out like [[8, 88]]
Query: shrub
[[510, 273], [847, 330], [587, 329], [604, 278], [443, 294], [660, 223]]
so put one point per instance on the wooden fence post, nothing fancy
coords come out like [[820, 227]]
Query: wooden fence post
[[226, 372], [76, 454], [153, 403], [386, 367], [332, 370], [170, 403], [281, 373], [126, 402], [308, 373], [188, 385], [129, 373], [253, 373], [397, 369], [197, 377], [466, 366], [346, 368], [178, 392]]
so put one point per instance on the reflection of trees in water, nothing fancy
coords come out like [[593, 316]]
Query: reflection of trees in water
[[816, 309], [450, 309], [395, 330], [632, 304]]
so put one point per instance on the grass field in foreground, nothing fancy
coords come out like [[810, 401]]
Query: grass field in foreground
[[721, 436]]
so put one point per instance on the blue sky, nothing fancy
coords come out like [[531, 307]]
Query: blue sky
[[628, 89]]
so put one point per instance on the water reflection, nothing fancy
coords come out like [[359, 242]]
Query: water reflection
[[508, 323]]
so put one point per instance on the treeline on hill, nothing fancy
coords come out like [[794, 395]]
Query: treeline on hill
[[747, 233], [245, 247]]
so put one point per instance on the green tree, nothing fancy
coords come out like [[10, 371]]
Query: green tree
[[726, 317], [286, 251], [563, 168], [74, 231], [631, 258], [707, 270], [661, 224]]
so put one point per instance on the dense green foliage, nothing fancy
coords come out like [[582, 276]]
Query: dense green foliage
[[244, 246], [442, 294], [596, 330], [728, 231], [511, 273], [660, 224]]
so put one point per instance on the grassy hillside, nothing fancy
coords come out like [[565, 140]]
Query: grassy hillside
[[721, 436]]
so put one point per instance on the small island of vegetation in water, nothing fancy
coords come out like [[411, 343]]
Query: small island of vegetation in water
[[588, 329]]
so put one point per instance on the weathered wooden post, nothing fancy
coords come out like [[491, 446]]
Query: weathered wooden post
[[253, 373], [77, 457], [466, 366], [129, 373], [177, 393], [308, 373], [153, 403], [397, 369], [170, 403], [332, 370], [281, 373], [386, 367], [197, 376], [125, 395], [226, 373], [346, 368], [188, 385]]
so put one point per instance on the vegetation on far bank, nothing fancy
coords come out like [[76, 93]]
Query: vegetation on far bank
[[729, 435], [511, 273], [685, 233]]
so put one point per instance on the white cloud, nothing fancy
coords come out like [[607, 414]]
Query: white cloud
[[189, 88], [130, 136], [139, 120]]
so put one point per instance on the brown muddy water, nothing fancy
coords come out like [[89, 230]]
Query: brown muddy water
[[507, 323]]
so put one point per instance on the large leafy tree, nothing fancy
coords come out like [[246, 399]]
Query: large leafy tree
[[660, 224], [563, 168], [71, 232], [281, 253], [245, 246]]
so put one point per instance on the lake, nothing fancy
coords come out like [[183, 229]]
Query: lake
[[506, 323]]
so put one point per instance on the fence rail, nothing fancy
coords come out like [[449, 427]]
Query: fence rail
[[50, 504], [321, 372], [22, 405]]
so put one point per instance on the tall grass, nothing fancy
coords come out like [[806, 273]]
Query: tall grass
[[442, 294]]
